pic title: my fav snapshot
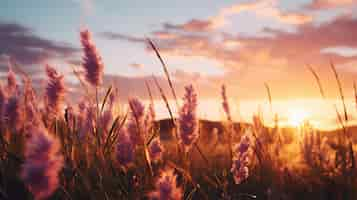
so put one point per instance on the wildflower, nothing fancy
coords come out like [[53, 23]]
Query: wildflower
[[241, 160], [225, 103], [136, 121], [166, 187], [92, 62], [187, 121], [54, 91], [125, 152], [155, 150], [42, 163]]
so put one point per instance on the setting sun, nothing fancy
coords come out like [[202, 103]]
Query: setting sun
[[297, 116]]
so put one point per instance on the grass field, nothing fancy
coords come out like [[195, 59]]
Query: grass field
[[97, 149]]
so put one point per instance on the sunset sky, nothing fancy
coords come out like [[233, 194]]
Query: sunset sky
[[242, 44]]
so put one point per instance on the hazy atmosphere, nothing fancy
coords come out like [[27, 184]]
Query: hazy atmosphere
[[178, 99]]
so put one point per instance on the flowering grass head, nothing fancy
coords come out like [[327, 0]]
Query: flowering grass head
[[240, 159], [92, 61], [156, 150], [55, 91], [125, 149], [135, 125], [166, 187], [13, 113], [188, 121], [42, 164], [11, 82], [225, 103]]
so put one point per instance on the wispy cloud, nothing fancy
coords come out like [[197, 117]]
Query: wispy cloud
[[262, 8], [260, 57], [326, 4], [118, 36], [27, 48]]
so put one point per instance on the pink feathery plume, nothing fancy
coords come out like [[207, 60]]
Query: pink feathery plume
[[92, 62], [166, 187], [32, 115], [113, 98], [152, 111], [135, 123], [156, 150], [55, 91], [125, 149], [11, 82], [106, 120], [12, 113], [29, 91], [240, 159], [225, 103], [42, 163], [70, 117], [3, 100], [149, 119], [187, 120], [86, 119]]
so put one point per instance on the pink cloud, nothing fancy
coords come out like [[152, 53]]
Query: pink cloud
[[262, 8], [325, 4], [279, 58]]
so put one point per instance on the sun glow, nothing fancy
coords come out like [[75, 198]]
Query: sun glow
[[296, 117]]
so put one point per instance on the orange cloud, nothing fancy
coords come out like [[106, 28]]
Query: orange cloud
[[280, 57]]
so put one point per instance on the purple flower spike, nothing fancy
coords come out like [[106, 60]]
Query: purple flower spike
[[42, 164], [125, 149], [188, 121], [55, 91], [241, 159], [166, 187], [135, 125], [156, 150], [92, 62]]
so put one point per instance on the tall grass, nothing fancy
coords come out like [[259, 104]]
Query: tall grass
[[97, 148]]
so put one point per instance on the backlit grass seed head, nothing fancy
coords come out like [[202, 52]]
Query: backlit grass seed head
[[240, 159], [11, 82], [92, 62], [55, 91], [125, 149], [32, 116], [106, 120], [70, 117], [225, 103], [87, 119], [3, 99], [188, 121], [156, 150], [149, 119], [42, 163], [166, 187], [135, 125], [12, 114]]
